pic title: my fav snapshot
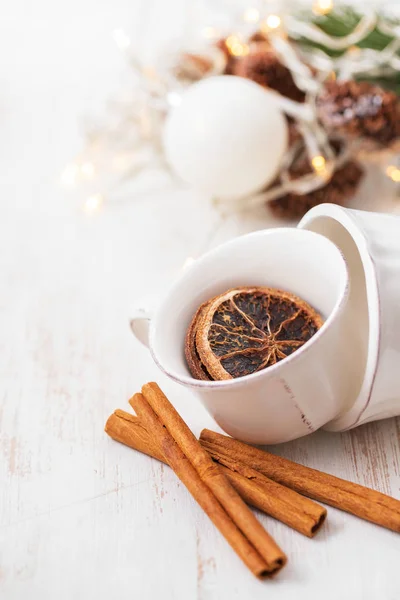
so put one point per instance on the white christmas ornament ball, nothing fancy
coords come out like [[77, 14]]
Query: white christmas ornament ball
[[227, 137]]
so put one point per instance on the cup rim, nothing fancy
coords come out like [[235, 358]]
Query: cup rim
[[348, 220], [227, 384]]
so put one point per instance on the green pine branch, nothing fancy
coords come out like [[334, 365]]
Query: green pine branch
[[339, 23]]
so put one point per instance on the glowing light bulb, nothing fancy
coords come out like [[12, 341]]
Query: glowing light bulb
[[394, 173], [121, 39], [251, 15], [319, 164], [322, 7], [273, 21], [70, 174], [270, 23], [235, 46], [93, 203]]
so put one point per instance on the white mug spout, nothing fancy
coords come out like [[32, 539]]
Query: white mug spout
[[140, 325]]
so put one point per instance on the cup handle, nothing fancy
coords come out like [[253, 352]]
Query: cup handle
[[140, 324]]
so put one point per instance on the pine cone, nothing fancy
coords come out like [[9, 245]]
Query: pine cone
[[360, 109], [341, 187], [263, 67]]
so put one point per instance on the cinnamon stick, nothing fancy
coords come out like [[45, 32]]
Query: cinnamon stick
[[129, 430], [351, 497], [207, 483], [282, 503]]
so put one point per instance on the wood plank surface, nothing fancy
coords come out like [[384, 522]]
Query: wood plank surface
[[82, 517]]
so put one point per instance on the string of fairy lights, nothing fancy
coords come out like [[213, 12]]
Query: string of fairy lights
[[129, 140]]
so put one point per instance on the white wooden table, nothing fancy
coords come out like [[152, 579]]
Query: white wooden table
[[80, 515]]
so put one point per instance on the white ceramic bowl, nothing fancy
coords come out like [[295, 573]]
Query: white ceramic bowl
[[371, 245], [297, 395]]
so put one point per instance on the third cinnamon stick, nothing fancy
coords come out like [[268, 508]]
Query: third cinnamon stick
[[351, 497]]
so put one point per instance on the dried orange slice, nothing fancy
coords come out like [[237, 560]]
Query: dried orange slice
[[193, 360], [245, 330]]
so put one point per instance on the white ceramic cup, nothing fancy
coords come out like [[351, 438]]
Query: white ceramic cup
[[300, 393], [370, 243]]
